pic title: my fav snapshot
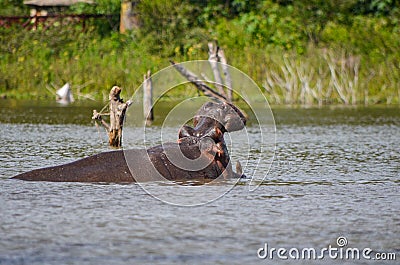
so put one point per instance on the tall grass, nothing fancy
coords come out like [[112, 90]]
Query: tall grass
[[325, 77], [331, 77]]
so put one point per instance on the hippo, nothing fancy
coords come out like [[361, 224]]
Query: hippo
[[199, 154]]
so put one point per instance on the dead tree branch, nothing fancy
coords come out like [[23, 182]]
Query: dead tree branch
[[194, 79]]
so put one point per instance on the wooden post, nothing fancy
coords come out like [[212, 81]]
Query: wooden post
[[129, 18], [117, 114], [126, 8], [148, 98]]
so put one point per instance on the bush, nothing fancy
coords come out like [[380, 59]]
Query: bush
[[259, 37]]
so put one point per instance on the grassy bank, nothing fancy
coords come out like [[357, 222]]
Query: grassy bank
[[353, 60]]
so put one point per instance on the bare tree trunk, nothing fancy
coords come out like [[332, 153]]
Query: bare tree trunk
[[213, 59], [148, 98], [117, 114], [227, 75]]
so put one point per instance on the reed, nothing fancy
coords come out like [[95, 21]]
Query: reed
[[330, 77]]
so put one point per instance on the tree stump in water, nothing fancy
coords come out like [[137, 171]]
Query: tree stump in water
[[117, 114]]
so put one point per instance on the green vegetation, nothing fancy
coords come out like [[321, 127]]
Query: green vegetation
[[299, 52]]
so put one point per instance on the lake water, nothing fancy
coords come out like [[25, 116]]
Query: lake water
[[336, 173]]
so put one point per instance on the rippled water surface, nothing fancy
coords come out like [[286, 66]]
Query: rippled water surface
[[336, 173]]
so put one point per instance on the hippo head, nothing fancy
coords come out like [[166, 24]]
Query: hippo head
[[212, 115], [210, 123], [224, 115]]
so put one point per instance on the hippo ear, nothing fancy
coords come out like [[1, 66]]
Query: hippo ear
[[195, 120]]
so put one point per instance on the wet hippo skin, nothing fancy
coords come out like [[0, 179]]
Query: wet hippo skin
[[144, 165], [96, 168]]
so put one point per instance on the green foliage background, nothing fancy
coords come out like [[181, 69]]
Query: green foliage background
[[258, 37]]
